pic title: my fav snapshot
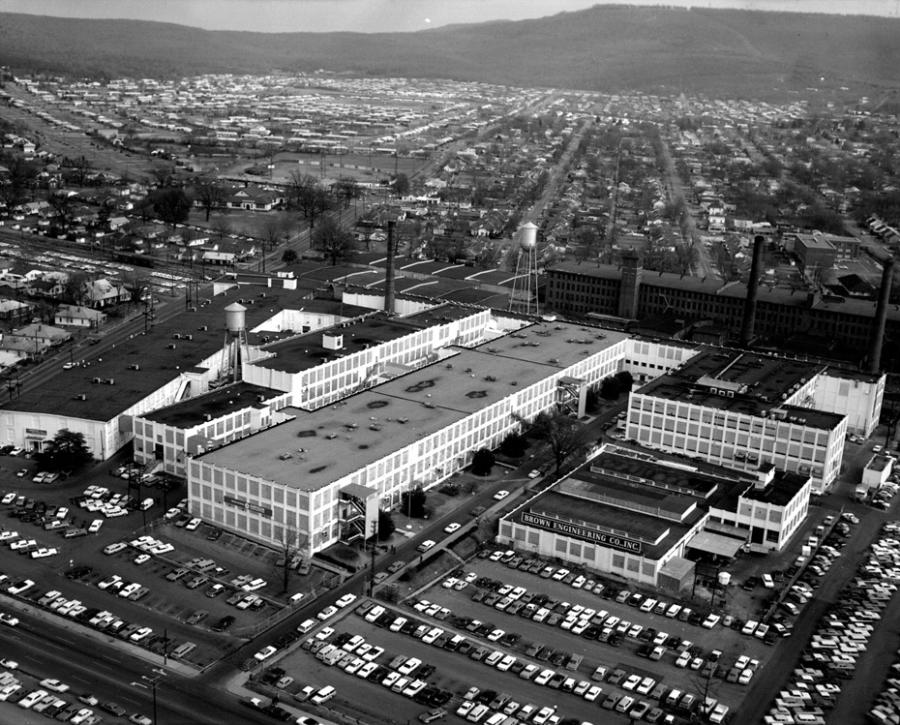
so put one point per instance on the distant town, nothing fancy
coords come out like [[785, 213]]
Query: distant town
[[327, 398]]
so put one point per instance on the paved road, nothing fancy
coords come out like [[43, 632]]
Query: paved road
[[45, 649], [771, 679], [703, 266]]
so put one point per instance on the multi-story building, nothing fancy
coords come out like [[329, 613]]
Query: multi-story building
[[648, 517], [741, 409], [169, 435], [312, 472], [838, 324]]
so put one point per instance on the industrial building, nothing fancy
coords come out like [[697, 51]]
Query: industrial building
[[741, 409], [629, 292], [646, 517]]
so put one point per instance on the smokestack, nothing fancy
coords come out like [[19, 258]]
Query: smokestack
[[389, 275], [752, 291], [877, 337]]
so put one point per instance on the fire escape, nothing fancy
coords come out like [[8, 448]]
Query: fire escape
[[352, 513]]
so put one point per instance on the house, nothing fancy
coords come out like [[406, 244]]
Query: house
[[254, 199], [14, 310], [104, 292], [78, 316]]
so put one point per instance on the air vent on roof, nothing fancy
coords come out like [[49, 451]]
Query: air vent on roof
[[202, 328], [95, 380], [80, 396], [171, 346], [134, 366], [111, 381], [189, 337], [176, 336]]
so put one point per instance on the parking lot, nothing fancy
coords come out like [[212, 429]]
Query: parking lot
[[505, 653], [229, 587]]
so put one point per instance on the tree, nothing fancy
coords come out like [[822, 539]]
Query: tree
[[412, 503], [610, 388], [163, 174], [514, 445], [625, 381], [209, 193], [333, 239], [289, 256], [291, 543], [561, 434], [592, 401], [386, 526], [482, 462], [346, 189], [171, 205], [306, 195], [400, 184], [66, 452]]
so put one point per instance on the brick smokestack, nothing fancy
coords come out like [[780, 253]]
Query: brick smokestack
[[876, 339], [389, 275], [752, 291]]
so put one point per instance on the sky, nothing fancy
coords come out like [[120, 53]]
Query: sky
[[384, 15]]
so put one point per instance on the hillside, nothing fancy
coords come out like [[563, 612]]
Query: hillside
[[722, 52]]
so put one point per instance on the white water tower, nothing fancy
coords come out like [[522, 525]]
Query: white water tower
[[524, 295], [236, 343]]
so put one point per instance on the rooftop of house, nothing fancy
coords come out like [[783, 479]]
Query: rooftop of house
[[212, 405]]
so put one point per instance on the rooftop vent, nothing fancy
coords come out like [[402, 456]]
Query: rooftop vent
[[80, 396], [134, 366]]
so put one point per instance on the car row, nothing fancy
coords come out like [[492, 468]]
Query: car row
[[841, 638]]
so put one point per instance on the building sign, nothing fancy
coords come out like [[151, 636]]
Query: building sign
[[247, 506], [582, 532], [35, 432]]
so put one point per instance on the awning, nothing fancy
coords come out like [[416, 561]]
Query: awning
[[714, 543]]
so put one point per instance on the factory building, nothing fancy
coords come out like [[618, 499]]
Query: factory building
[[648, 517], [741, 410]]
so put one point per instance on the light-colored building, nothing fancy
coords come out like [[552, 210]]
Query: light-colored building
[[647, 517], [741, 409], [416, 429], [877, 471], [169, 435], [769, 511], [78, 316]]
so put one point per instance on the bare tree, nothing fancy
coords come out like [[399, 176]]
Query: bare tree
[[210, 193], [333, 239], [292, 543], [561, 433]]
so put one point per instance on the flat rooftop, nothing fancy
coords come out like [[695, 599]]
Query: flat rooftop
[[558, 344], [757, 383], [330, 443], [161, 358], [879, 463], [657, 535], [303, 352], [216, 403], [784, 487], [398, 412]]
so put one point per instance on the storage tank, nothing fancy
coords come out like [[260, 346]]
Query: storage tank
[[724, 578], [528, 235], [235, 318]]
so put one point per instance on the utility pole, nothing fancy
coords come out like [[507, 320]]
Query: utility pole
[[152, 681], [372, 567]]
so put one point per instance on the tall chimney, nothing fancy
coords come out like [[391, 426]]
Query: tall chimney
[[389, 275], [752, 292], [877, 336]]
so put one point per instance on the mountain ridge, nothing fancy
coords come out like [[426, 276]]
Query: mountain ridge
[[609, 48]]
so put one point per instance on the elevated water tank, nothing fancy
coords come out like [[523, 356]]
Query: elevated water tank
[[235, 318], [528, 235]]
